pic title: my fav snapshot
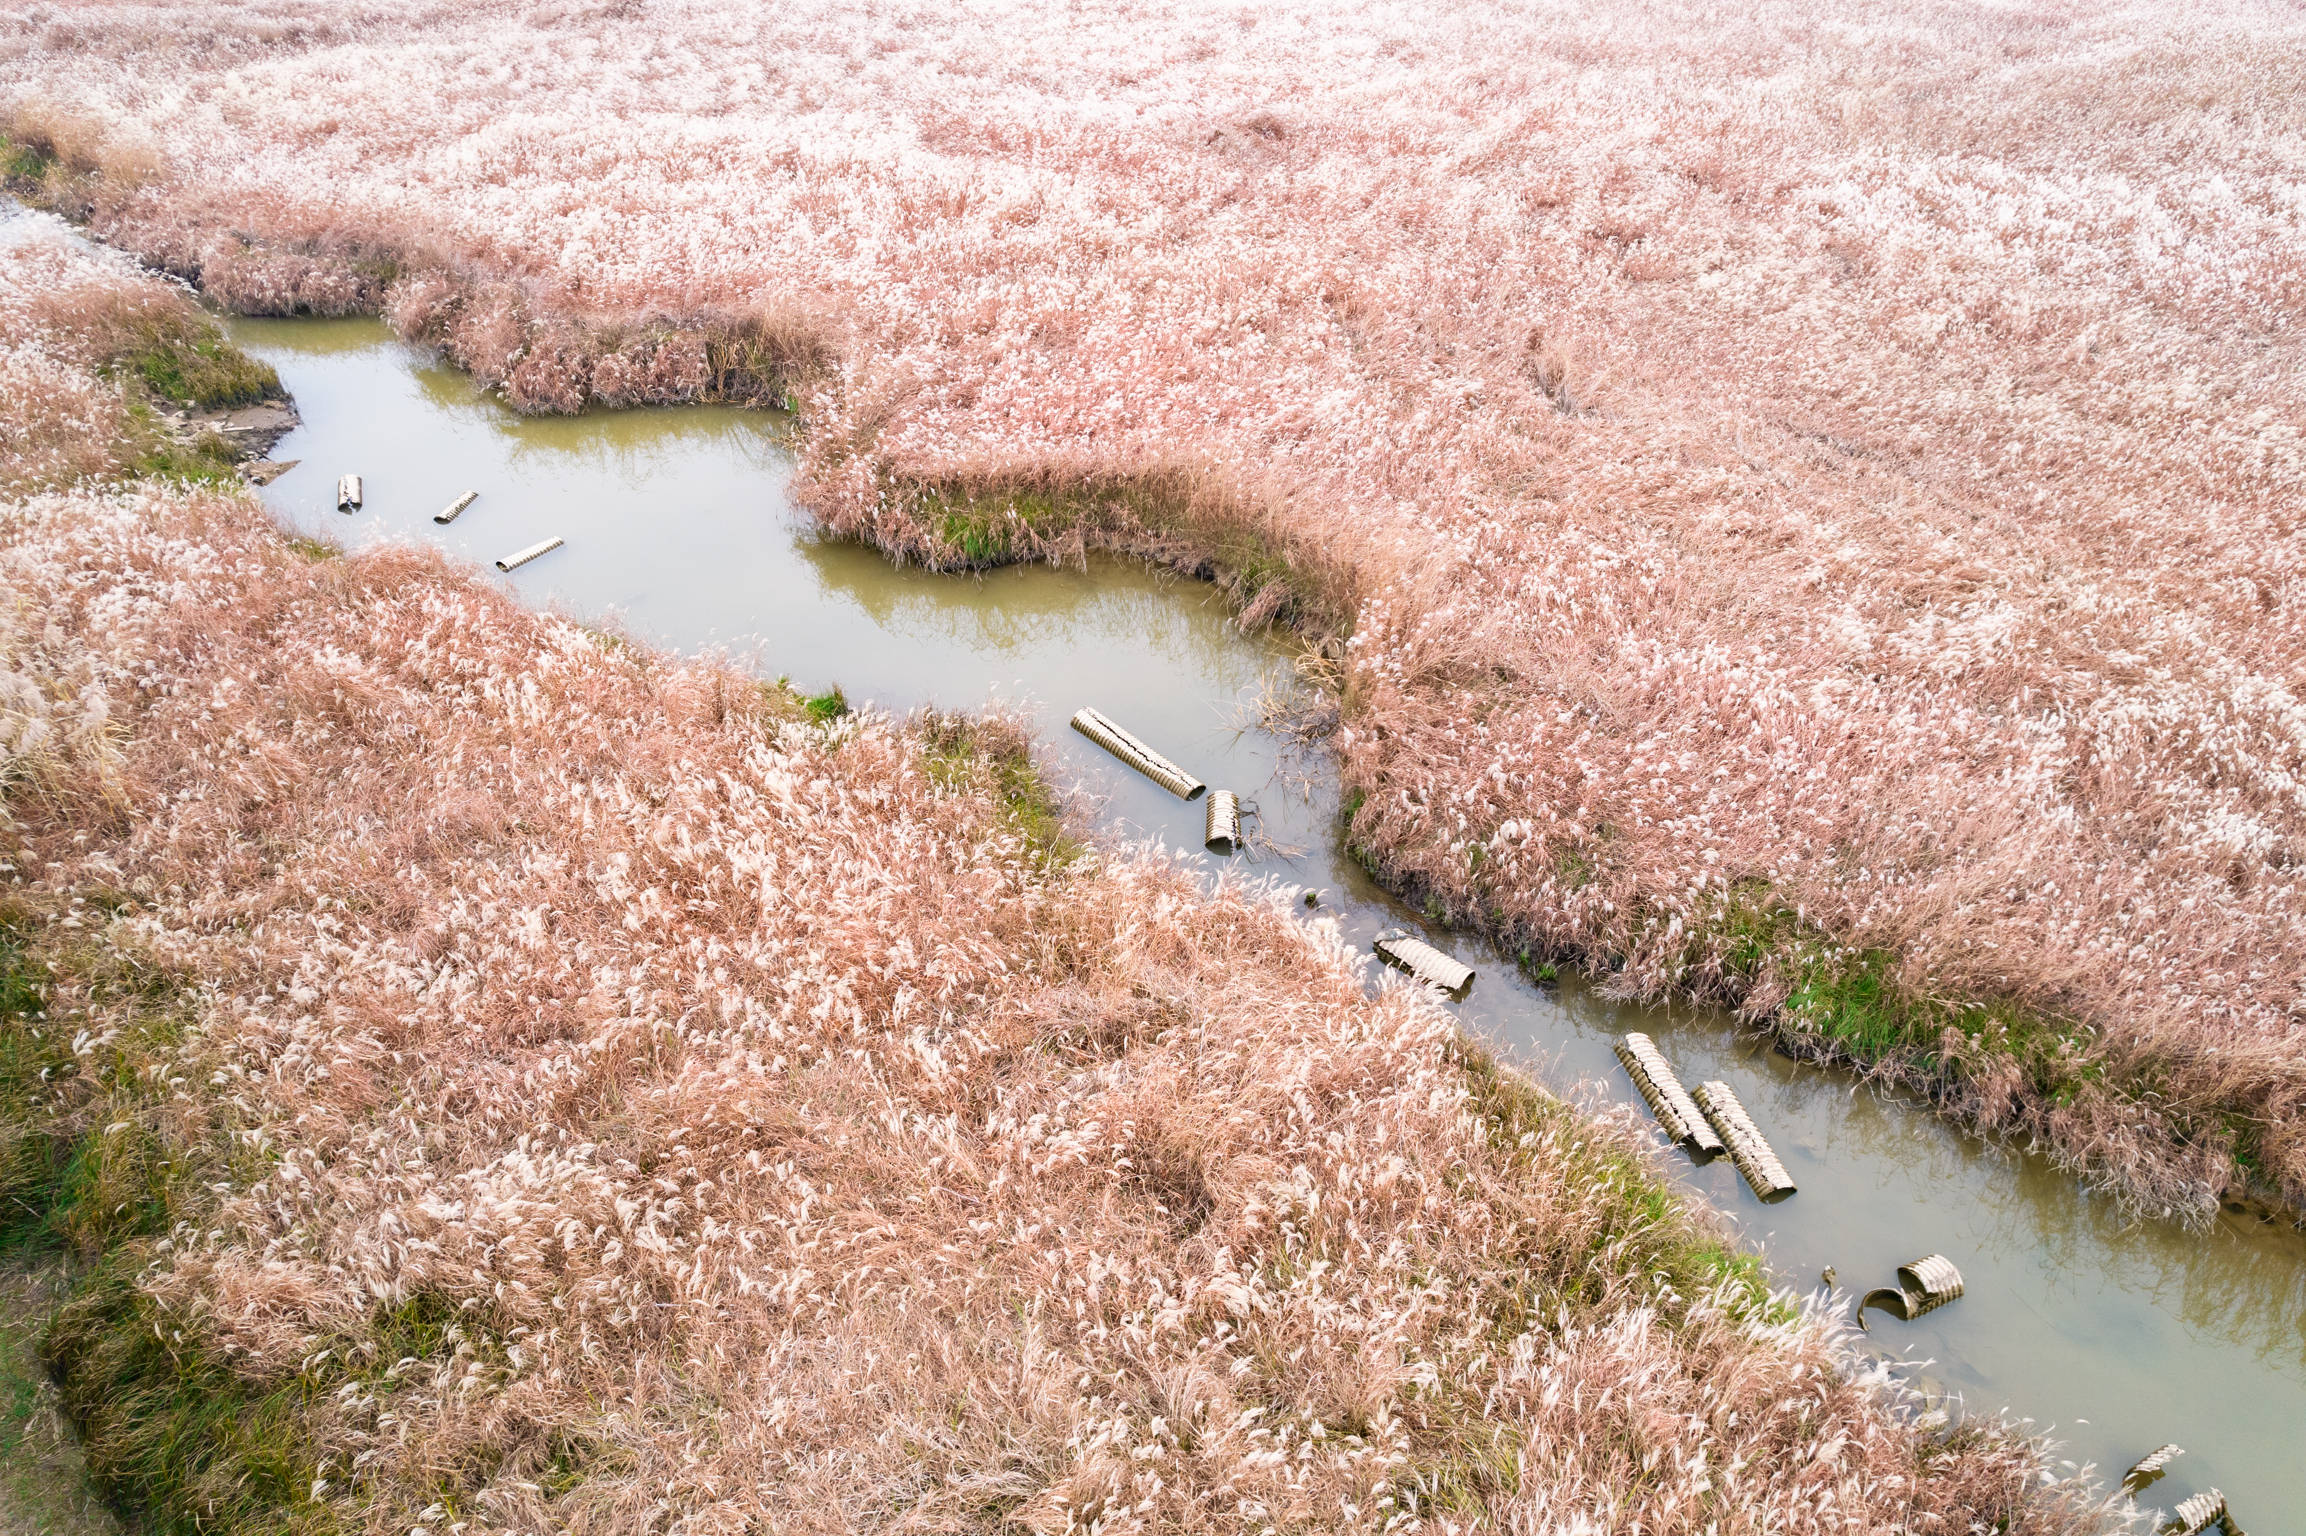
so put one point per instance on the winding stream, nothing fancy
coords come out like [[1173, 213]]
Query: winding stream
[[2113, 1336]]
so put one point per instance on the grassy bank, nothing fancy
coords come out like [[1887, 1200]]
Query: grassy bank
[[2167, 1133], [477, 1071], [2012, 1046], [1726, 479]]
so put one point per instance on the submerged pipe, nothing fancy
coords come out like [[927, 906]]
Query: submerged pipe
[[514, 562], [2150, 1466], [456, 507], [1923, 1286], [1100, 729], [1222, 832], [348, 493], [1423, 961], [1747, 1148], [1667, 1099]]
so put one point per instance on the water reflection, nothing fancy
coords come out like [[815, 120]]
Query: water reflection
[[1019, 609]]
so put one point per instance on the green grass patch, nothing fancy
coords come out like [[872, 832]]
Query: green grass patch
[[1645, 1227], [82, 1170], [34, 1057], [180, 1442], [171, 1434], [981, 526], [43, 1481], [995, 527], [153, 455], [26, 165], [968, 752], [174, 352], [424, 1325], [1544, 972], [1854, 1000], [193, 364], [825, 708], [1469, 1465]]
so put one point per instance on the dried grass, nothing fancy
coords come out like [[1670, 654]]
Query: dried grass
[[1846, 458], [580, 1091]]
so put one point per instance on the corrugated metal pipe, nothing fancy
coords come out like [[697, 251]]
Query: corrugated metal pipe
[[1101, 730], [514, 562], [1667, 1099], [1923, 1286], [1222, 832], [348, 493], [1421, 960], [2150, 1466], [2200, 1512], [456, 507], [1747, 1148]]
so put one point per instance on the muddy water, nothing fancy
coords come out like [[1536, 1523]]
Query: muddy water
[[2112, 1336]]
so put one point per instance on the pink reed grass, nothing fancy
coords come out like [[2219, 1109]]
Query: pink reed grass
[[779, 1134], [1844, 453]]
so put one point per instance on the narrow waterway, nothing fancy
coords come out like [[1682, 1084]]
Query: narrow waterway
[[2113, 1336]]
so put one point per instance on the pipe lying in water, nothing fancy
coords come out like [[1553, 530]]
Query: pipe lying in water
[[1667, 1099], [514, 562], [1100, 729], [2150, 1466], [1421, 960], [1747, 1147], [348, 493], [1222, 832], [1923, 1286], [2199, 1513], [456, 507]]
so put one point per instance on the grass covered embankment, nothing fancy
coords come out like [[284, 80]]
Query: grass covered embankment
[[480, 1074], [1813, 501]]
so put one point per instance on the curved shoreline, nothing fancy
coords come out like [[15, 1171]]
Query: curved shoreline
[[2020, 1075]]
